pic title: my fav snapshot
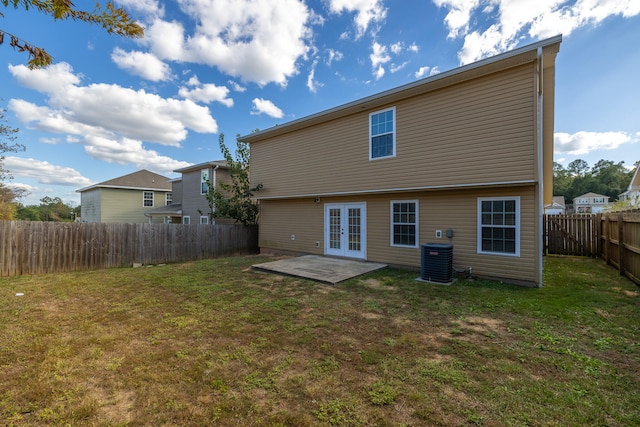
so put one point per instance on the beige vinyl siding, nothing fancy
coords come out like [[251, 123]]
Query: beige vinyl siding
[[126, 206], [438, 210], [478, 132]]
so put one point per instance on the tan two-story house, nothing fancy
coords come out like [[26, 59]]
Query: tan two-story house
[[463, 157], [125, 199]]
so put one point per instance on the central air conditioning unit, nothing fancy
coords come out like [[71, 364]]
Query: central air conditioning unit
[[436, 263]]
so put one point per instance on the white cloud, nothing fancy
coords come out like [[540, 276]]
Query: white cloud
[[379, 55], [333, 55], [379, 73], [145, 65], [45, 172], [367, 12], [423, 71], [206, 93], [126, 151], [515, 22], [264, 106], [396, 48], [585, 142], [413, 48], [312, 83], [106, 110], [397, 67], [256, 40], [52, 141], [148, 7], [236, 87]]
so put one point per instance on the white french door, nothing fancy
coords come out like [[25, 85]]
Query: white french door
[[345, 229]]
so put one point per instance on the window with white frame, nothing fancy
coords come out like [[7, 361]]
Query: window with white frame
[[204, 181], [186, 220], [598, 200], [147, 199], [382, 134], [499, 225], [204, 220], [168, 198], [404, 223]]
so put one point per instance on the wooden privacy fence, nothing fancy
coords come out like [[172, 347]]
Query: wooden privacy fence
[[612, 236], [620, 242], [54, 247], [571, 235]]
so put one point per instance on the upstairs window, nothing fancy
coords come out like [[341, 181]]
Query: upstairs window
[[382, 134], [147, 199], [204, 181], [168, 198], [599, 200]]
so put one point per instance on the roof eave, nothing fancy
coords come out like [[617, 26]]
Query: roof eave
[[401, 92]]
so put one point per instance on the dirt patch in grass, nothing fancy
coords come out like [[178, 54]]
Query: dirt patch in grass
[[216, 343]]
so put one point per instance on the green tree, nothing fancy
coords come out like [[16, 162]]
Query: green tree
[[7, 143], [115, 20], [234, 200], [578, 167]]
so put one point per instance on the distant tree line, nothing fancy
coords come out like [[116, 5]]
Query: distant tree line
[[605, 177], [49, 209]]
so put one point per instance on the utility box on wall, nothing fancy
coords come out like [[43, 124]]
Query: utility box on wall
[[436, 262]]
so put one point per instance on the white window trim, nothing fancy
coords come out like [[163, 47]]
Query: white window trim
[[204, 219], [393, 154], [479, 226], [168, 196], [391, 223], [144, 192], [186, 220]]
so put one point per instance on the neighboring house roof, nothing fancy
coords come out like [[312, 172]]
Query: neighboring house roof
[[174, 209], [213, 163], [558, 203], [141, 180], [590, 195], [635, 181], [418, 87]]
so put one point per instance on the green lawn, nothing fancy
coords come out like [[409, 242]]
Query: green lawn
[[215, 343]]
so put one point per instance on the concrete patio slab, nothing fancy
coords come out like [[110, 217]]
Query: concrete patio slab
[[319, 268]]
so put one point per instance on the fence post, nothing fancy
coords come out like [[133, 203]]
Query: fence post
[[621, 267]]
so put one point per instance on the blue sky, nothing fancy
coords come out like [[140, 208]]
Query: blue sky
[[110, 106]]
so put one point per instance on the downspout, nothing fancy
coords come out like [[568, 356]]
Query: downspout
[[540, 166]]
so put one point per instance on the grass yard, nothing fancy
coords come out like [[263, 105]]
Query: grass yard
[[215, 343]]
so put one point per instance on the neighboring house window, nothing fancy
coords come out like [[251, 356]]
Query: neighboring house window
[[404, 223], [168, 198], [186, 220], [204, 181], [598, 200], [382, 134], [167, 220], [147, 199], [582, 201], [499, 225], [204, 220]]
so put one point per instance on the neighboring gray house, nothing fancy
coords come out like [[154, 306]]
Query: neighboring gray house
[[125, 199], [590, 203], [190, 204], [632, 195]]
